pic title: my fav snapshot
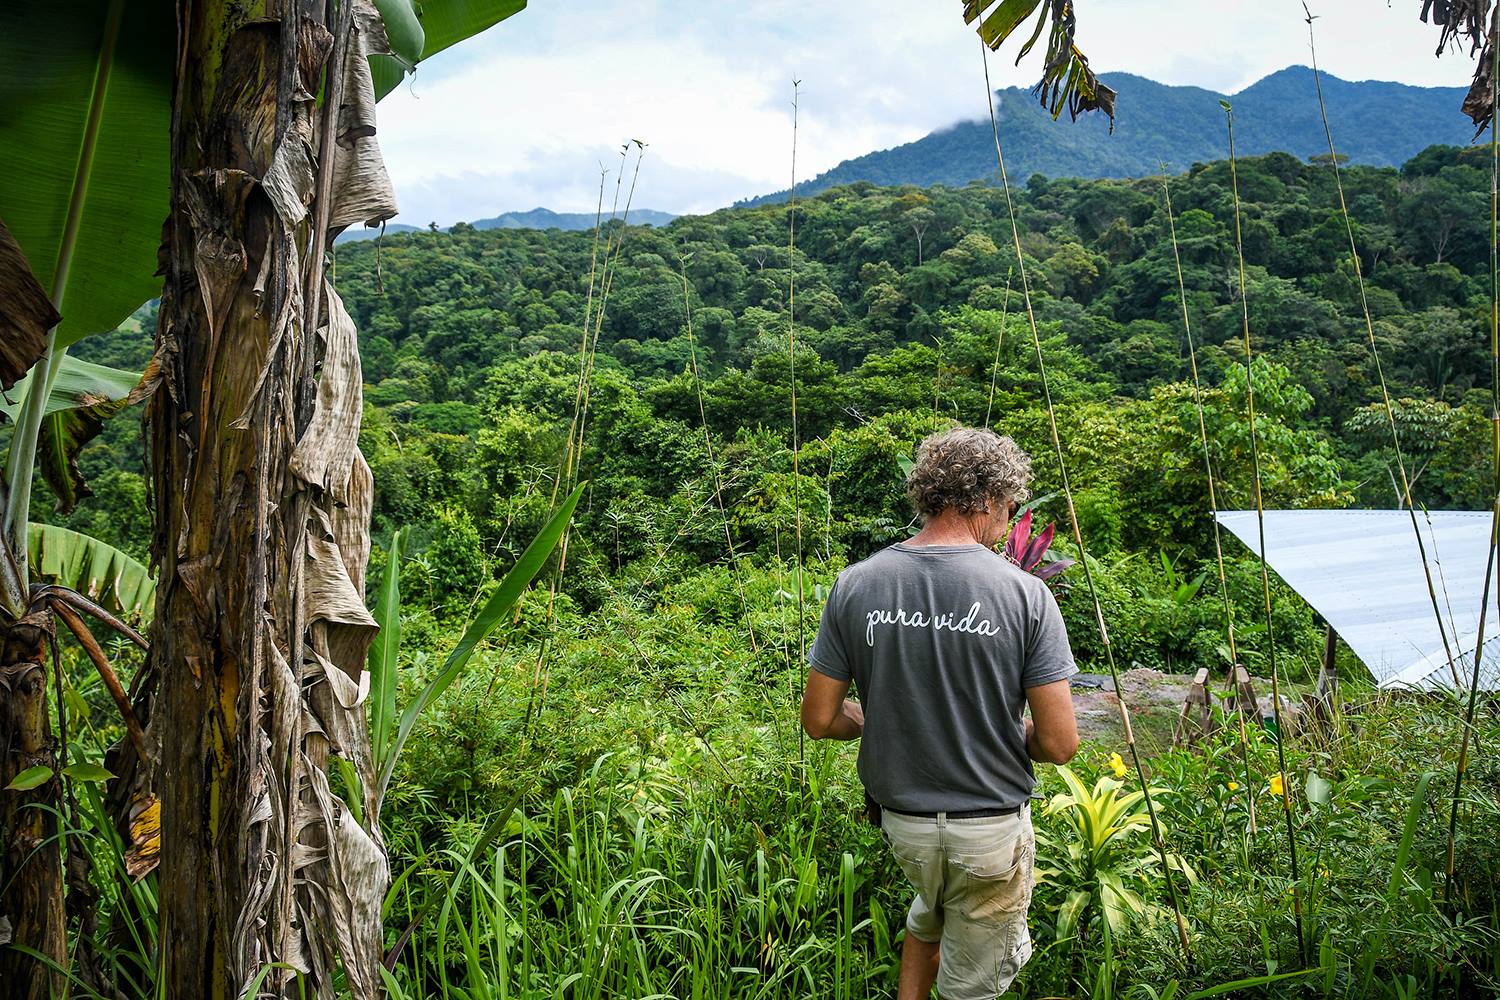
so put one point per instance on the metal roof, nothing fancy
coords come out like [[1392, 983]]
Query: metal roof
[[1362, 571]]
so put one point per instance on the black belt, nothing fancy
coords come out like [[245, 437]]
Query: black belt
[[961, 813]]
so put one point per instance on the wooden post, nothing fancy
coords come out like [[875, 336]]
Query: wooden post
[[1242, 697], [1328, 678], [1243, 703], [1195, 719]]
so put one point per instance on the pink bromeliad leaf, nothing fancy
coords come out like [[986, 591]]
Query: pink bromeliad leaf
[[1052, 569], [1020, 534], [1038, 547]]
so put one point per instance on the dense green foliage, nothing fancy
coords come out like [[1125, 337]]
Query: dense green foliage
[[471, 345], [615, 800]]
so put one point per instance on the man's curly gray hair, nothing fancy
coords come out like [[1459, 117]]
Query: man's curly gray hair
[[967, 470]]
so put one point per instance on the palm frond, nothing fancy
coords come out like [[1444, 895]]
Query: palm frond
[[1067, 81]]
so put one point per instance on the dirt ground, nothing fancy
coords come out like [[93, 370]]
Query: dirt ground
[[1155, 699]]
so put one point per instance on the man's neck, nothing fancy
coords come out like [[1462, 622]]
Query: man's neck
[[949, 529]]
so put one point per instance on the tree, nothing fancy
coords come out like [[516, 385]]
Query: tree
[[262, 499]]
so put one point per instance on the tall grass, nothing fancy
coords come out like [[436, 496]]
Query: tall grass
[[630, 884]]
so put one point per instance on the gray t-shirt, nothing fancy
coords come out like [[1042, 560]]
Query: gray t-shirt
[[941, 642]]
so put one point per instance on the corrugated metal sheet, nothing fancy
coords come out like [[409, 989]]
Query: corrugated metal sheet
[[1362, 571]]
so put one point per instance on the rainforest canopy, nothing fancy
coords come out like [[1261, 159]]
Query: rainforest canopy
[[1362, 571]]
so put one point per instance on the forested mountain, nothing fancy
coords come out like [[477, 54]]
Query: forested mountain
[[1382, 124], [537, 218], [545, 218], [908, 313]]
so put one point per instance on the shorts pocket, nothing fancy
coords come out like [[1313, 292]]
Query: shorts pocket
[[996, 884]]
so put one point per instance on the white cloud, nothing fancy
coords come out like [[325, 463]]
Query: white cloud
[[521, 116]]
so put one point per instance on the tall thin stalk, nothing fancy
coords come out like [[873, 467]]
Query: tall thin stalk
[[1213, 496], [989, 405], [1385, 393], [1088, 574], [713, 462], [1265, 574], [791, 321], [1489, 568], [578, 428]]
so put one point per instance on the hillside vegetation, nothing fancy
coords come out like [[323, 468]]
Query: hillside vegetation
[[615, 801]]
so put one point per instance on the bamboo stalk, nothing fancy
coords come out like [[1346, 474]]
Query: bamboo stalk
[[1462, 766], [578, 429], [1265, 576], [989, 406], [791, 320], [1067, 490], [1385, 394], [713, 463], [1213, 497]]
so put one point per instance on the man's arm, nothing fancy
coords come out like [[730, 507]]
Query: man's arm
[[826, 713], [1052, 730]]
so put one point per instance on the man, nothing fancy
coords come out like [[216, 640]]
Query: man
[[948, 642]]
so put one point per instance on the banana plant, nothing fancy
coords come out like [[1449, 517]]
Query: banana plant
[[1067, 81], [114, 116]]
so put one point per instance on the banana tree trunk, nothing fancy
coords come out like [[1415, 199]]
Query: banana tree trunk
[[262, 506], [31, 891]]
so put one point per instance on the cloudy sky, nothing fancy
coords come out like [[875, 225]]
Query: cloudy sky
[[523, 115]]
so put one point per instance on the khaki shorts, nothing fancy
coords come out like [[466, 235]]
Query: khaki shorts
[[973, 879]]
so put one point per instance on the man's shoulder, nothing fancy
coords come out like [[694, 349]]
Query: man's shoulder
[[897, 559]]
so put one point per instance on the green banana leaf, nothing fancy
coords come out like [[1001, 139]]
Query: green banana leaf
[[68, 63], [78, 384], [420, 29], [83, 396], [96, 569], [110, 62]]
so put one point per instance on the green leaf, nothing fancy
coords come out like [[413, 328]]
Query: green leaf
[[70, 65], [87, 772], [1008, 16], [442, 23], [1245, 984], [30, 778], [70, 559], [83, 396], [78, 384], [490, 616], [385, 654]]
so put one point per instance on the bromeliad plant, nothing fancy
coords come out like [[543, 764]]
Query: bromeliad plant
[[1107, 860], [1030, 551]]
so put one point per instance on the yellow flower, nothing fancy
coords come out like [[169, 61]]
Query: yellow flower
[[1117, 765], [1278, 786], [1233, 786], [1322, 871]]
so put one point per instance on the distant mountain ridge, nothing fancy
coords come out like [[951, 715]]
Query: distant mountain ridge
[[537, 218], [1373, 122], [545, 218]]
